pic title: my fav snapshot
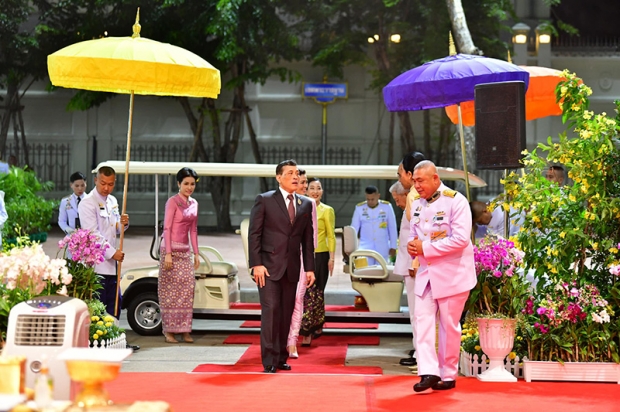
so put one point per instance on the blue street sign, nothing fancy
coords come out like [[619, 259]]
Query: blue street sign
[[325, 91]]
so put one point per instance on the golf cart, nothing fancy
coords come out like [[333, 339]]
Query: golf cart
[[217, 292]]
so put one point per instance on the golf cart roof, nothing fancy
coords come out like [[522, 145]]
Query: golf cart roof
[[268, 170]]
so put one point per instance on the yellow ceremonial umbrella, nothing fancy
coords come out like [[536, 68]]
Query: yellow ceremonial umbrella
[[133, 65]]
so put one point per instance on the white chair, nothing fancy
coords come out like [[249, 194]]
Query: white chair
[[244, 229], [217, 283], [381, 288]]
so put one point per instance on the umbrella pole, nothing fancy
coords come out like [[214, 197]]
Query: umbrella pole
[[124, 209], [464, 153]]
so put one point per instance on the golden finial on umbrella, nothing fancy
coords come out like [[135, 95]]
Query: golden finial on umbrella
[[509, 58], [452, 49], [136, 27]]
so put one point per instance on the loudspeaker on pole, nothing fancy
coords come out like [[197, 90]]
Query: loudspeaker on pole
[[500, 125]]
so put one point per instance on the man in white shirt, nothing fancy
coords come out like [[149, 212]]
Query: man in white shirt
[[99, 213]]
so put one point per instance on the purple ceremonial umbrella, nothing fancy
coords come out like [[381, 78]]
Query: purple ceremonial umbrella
[[447, 81]]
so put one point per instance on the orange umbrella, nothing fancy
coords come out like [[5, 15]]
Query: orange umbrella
[[539, 98]]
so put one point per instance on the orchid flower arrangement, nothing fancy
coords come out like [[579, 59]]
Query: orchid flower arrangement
[[501, 288], [84, 247], [83, 250], [25, 272], [557, 319]]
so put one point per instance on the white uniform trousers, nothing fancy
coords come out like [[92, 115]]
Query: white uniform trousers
[[445, 361], [410, 286]]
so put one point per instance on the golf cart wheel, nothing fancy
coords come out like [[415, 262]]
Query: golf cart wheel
[[144, 314]]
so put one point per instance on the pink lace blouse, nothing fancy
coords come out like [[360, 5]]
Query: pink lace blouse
[[180, 220]]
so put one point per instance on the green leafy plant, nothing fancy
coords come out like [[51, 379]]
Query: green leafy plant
[[28, 211], [102, 325], [570, 233]]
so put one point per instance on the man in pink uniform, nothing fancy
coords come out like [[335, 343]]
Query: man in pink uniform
[[440, 237]]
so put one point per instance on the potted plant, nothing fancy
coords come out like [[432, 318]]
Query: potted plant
[[570, 238], [104, 332], [28, 212], [474, 361], [497, 300]]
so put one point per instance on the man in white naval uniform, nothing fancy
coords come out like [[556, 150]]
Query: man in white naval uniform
[[99, 213], [375, 222], [439, 236], [68, 218], [403, 262]]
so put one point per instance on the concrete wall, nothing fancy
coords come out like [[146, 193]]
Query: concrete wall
[[280, 117]]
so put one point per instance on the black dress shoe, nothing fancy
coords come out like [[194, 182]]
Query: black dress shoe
[[444, 385], [269, 369], [426, 384], [134, 347], [408, 361], [284, 366], [411, 352]]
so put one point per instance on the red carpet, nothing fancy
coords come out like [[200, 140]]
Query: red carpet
[[328, 308], [327, 325], [326, 355], [323, 340], [256, 392]]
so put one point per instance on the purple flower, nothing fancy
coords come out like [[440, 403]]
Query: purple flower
[[541, 311]]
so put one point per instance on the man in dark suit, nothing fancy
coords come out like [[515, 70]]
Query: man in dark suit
[[280, 223]]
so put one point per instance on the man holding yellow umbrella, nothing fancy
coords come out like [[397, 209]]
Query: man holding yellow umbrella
[[133, 65]]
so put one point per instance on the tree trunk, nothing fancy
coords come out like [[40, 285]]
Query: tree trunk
[[20, 116], [264, 185], [5, 123], [460, 31], [198, 152], [464, 44], [407, 137], [428, 151], [225, 147], [391, 141]]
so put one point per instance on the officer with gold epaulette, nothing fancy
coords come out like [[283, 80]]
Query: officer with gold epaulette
[[375, 222], [439, 237], [68, 218]]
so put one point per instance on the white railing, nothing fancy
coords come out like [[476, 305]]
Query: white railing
[[114, 343], [472, 365]]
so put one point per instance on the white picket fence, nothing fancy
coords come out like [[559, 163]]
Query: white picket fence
[[115, 343], [472, 365]]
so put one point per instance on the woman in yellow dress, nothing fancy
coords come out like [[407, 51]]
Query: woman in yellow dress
[[314, 302]]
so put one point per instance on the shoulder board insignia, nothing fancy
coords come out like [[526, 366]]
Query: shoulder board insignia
[[416, 197], [385, 202], [66, 197], [361, 203], [450, 193]]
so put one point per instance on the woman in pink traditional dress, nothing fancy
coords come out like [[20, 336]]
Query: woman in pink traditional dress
[[176, 264], [293, 334]]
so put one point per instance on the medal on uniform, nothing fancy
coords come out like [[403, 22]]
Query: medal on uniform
[[416, 220]]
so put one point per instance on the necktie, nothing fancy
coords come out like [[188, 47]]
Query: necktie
[[291, 208], [77, 219]]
